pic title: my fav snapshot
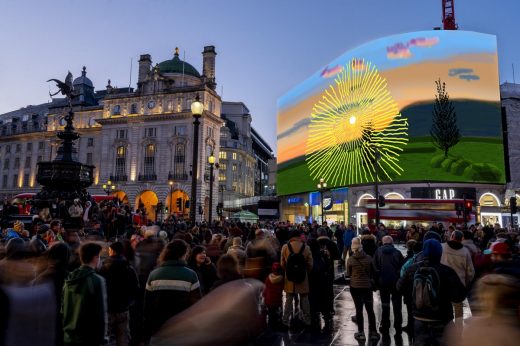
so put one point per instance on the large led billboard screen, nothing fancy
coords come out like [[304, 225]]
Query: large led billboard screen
[[425, 104]]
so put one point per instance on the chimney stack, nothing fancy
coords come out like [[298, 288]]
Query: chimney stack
[[145, 65], [208, 66]]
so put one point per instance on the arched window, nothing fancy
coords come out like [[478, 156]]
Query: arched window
[[120, 161], [149, 160], [180, 161]]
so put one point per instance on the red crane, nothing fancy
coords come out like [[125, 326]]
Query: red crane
[[448, 15]]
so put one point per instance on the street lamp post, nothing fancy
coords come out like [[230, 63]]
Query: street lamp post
[[322, 186], [109, 188], [211, 161], [170, 182], [377, 156], [196, 110]]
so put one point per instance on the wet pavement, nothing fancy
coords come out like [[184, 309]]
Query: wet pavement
[[342, 330]]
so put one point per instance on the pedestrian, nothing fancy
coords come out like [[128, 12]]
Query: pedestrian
[[227, 270], [171, 288], [238, 251], [435, 286], [122, 289], [296, 260], [321, 278], [56, 272], [84, 304], [338, 234], [201, 264], [458, 257], [348, 235], [359, 268], [368, 242], [272, 293], [387, 264]]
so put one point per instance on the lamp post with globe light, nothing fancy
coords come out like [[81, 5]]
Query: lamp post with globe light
[[109, 188], [170, 182], [322, 187], [211, 161], [196, 110]]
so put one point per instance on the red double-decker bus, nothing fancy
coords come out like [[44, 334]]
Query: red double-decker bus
[[423, 210]]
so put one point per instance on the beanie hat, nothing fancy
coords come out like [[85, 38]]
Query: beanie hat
[[432, 249], [432, 235]]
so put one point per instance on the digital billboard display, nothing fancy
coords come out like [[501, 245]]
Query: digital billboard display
[[425, 105]]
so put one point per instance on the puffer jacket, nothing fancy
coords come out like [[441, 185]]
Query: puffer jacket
[[458, 258], [387, 264], [359, 268]]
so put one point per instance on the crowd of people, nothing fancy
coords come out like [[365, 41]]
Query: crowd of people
[[124, 283]]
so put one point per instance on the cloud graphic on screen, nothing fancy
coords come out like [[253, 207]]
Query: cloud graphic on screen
[[469, 77], [330, 72], [457, 71], [466, 74], [402, 50], [298, 125]]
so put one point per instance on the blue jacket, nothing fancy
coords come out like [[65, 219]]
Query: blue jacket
[[348, 236]]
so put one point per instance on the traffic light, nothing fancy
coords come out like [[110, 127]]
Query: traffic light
[[201, 211], [381, 201], [459, 207], [187, 204], [179, 203], [512, 205]]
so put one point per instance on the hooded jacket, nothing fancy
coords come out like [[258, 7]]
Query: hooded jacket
[[458, 258], [122, 284], [84, 308], [273, 290], [387, 264]]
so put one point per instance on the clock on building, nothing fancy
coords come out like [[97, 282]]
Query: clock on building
[[151, 104]]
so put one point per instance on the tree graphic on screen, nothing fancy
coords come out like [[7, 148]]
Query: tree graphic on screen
[[445, 133], [355, 114]]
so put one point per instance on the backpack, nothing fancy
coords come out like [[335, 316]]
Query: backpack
[[322, 261], [407, 264], [296, 268], [425, 294]]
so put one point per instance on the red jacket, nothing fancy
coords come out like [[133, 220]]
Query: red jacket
[[273, 290]]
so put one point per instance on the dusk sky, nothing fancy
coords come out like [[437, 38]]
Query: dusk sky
[[264, 48]]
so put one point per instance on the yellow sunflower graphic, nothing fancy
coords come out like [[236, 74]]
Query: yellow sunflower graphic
[[355, 117]]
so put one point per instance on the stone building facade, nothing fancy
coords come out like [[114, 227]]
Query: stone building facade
[[139, 140]]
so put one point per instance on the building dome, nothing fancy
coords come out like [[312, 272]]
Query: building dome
[[83, 79], [176, 65]]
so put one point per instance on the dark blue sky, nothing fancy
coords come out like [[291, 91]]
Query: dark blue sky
[[265, 47]]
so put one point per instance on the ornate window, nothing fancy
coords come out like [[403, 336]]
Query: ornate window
[[149, 160], [120, 161], [180, 160], [133, 108]]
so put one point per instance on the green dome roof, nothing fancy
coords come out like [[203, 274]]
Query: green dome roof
[[176, 65]]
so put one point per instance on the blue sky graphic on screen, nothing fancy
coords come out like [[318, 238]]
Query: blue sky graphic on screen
[[381, 94]]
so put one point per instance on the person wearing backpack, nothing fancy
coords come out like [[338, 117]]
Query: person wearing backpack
[[387, 264], [359, 268], [434, 287], [296, 261]]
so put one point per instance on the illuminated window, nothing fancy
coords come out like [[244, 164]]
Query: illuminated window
[[222, 155], [234, 156], [489, 200], [234, 167], [25, 180], [221, 177], [149, 160], [120, 161], [222, 166], [116, 110]]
